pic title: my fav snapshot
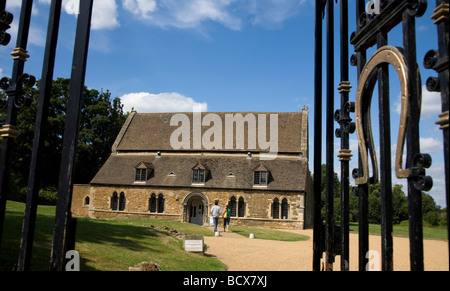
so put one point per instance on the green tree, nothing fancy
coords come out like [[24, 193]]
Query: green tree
[[399, 204], [431, 211], [101, 120], [399, 201], [374, 203], [336, 190]]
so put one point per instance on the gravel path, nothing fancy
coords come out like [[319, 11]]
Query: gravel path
[[244, 254]]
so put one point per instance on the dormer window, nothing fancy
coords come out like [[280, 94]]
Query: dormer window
[[199, 173], [198, 176], [141, 175], [260, 176], [143, 171]]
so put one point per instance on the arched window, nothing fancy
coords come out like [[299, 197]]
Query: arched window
[[114, 200], [160, 203], [241, 207], [152, 203], [284, 209], [122, 201], [232, 205], [86, 201], [276, 209]]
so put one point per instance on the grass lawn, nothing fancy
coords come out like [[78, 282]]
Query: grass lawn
[[106, 244], [403, 230], [271, 234], [116, 244]]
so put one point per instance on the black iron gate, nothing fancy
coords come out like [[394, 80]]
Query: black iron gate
[[374, 20], [64, 228], [371, 30]]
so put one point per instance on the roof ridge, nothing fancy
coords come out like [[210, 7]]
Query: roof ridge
[[122, 131]]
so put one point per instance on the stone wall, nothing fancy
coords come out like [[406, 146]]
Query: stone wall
[[258, 210], [80, 204]]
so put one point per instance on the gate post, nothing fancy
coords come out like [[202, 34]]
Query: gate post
[[26, 243], [317, 236], [16, 100], [70, 139], [412, 145], [440, 63], [330, 221], [346, 126]]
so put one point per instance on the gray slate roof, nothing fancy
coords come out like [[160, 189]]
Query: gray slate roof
[[224, 172], [152, 131]]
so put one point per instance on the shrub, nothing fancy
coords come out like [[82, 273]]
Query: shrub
[[48, 196]]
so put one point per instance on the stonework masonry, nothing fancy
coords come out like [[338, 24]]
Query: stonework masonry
[[258, 210]]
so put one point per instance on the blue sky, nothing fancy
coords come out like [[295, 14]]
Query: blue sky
[[224, 55]]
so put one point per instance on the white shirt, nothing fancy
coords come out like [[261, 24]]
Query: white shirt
[[216, 211]]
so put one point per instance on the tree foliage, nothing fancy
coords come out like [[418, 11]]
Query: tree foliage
[[431, 211], [101, 120]]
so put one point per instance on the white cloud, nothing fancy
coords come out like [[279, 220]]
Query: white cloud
[[104, 13], [429, 145], [233, 14], [145, 102], [142, 8], [230, 13], [183, 14], [431, 103], [273, 12], [15, 3], [436, 171], [37, 36]]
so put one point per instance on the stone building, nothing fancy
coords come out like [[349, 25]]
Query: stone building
[[173, 166]]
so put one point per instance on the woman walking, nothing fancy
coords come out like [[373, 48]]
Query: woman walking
[[226, 218]]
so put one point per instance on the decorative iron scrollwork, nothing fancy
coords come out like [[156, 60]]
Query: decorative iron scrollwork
[[440, 64], [393, 56], [4, 83], [420, 181], [429, 62], [5, 20], [21, 100], [417, 7]]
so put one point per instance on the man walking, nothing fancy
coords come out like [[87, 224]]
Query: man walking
[[215, 211]]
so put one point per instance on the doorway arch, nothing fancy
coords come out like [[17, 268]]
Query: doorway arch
[[195, 208]]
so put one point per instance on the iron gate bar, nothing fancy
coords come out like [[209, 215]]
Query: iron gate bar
[[330, 223], [441, 65], [385, 161], [412, 145], [344, 121], [63, 217], [317, 237], [13, 87], [362, 190], [29, 221]]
